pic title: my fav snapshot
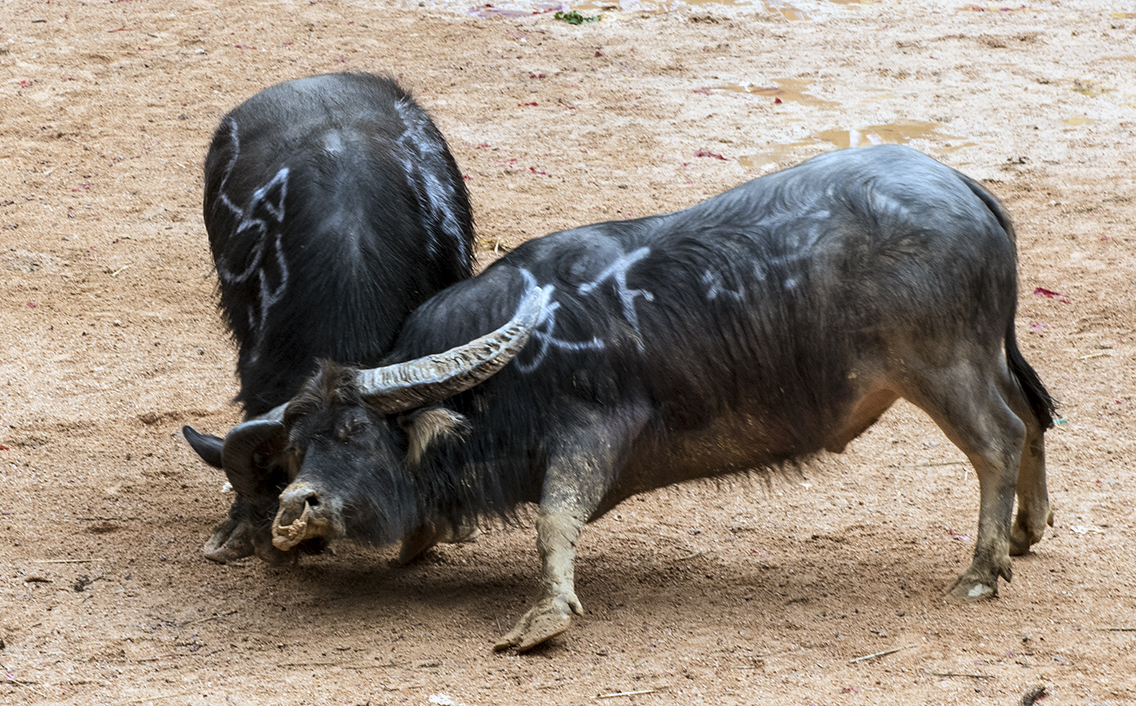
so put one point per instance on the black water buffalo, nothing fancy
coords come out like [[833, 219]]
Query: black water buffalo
[[334, 208], [773, 321]]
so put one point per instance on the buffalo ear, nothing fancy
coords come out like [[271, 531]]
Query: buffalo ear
[[249, 451], [207, 446], [426, 425]]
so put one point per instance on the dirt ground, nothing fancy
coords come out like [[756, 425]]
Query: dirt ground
[[742, 592]]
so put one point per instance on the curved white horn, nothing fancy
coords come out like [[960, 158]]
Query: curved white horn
[[415, 383]]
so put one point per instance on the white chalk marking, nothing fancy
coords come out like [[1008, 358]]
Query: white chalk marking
[[422, 146], [266, 251], [542, 334], [714, 289], [617, 271]]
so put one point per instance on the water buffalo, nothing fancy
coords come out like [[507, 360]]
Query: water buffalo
[[334, 208], [774, 321]]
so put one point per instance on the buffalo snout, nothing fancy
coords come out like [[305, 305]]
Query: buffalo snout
[[302, 515]]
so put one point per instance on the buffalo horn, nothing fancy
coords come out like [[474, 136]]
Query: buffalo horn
[[207, 446], [416, 383], [211, 448]]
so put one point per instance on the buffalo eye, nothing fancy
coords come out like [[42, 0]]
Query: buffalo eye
[[349, 428]]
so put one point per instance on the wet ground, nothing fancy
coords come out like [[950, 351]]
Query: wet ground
[[734, 593]]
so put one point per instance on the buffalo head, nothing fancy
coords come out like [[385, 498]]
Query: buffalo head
[[337, 461]]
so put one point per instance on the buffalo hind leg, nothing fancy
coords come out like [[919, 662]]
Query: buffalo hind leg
[[966, 404], [1034, 511]]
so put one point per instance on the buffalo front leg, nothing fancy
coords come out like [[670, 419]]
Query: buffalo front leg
[[233, 538], [580, 472], [426, 536], [556, 537], [245, 533]]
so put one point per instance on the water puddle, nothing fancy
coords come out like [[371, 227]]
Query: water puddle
[[994, 8], [891, 134], [787, 89], [787, 11], [772, 157], [733, 3], [527, 8], [899, 133], [1085, 87]]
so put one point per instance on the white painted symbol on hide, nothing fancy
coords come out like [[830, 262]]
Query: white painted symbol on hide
[[618, 271], [265, 261], [770, 268], [423, 160], [333, 143], [714, 288], [542, 334]]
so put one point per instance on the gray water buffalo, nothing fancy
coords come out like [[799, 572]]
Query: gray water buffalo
[[334, 208], [774, 321]]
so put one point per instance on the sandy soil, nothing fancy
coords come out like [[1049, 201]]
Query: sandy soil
[[735, 593]]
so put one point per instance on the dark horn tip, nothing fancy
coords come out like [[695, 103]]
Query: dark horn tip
[[207, 446]]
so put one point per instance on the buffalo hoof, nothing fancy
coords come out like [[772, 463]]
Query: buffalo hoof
[[463, 535], [547, 619], [1020, 541], [973, 585], [271, 555], [231, 541], [972, 590], [1023, 536]]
